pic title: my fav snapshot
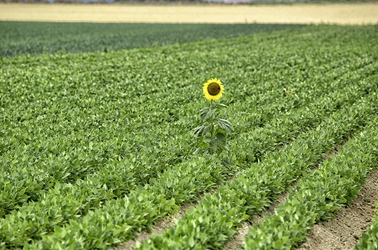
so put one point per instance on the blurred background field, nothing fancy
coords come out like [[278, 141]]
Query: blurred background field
[[345, 13], [19, 38], [28, 28], [191, 1]]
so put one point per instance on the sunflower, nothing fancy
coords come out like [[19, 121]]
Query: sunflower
[[213, 89]]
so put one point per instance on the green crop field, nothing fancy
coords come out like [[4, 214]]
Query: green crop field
[[20, 38], [97, 147]]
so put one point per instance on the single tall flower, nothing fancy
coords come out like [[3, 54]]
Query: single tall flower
[[213, 89], [212, 134]]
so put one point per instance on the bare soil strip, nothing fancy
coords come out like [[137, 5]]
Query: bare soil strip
[[363, 13], [239, 238], [344, 231]]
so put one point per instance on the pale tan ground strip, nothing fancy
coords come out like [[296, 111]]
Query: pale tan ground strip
[[344, 231], [298, 13]]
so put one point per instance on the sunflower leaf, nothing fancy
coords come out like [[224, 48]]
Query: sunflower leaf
[[226, 125], [206, 130], [209, 114], [203, 112], [201, 130], [198, 130], [208, 139]]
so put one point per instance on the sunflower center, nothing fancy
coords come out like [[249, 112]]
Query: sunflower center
[[213, 88]]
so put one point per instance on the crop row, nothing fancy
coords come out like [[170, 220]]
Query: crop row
[[107, 226], [320, 193], [66, 201], [60, 145], [210, 224], [369, 240], [16, 178], [286, 127]]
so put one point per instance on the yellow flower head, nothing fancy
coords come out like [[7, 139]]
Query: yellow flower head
[[213, 89]]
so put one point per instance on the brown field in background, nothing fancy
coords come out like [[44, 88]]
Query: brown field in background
[[297, 13]]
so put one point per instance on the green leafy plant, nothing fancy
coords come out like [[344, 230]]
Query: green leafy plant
[[212, 134], [34, 38], [369, 239], [79, 170]]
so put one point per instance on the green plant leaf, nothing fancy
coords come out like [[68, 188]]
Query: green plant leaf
[[218, 143], [202, 143], [226, 125], [209, 114], [201, 130], [203, 112]]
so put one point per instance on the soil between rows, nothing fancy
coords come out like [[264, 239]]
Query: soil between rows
[[345, 230]]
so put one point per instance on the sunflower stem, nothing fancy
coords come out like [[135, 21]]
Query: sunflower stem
[[211, 121]]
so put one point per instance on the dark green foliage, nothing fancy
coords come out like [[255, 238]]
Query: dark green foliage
[[20, 38], [212, 134]]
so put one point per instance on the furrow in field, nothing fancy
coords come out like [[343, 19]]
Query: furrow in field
[[342, 232], [157, 228], [238, 238], [320, 193]]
